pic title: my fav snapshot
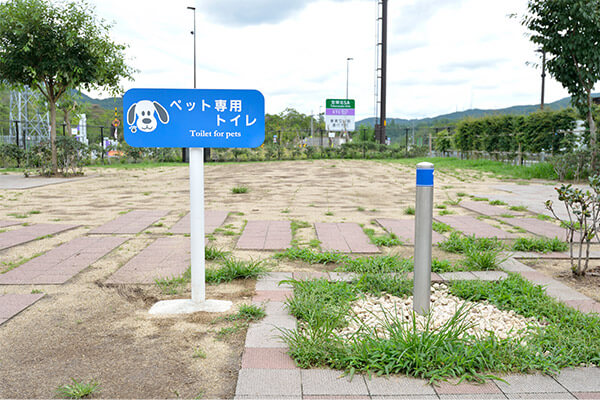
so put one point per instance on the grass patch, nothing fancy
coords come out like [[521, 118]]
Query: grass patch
[[497, 203], [235, 269], [566, 338], [77, 390], [445, 212], [517, 208], [479, 198], [410, 210], [440, 227], [239, 190], [377, 264], [199, 353], [175, 284], [248, 313], [384, 240], [540, 245], [460, 244], [310, 256], [213, 253]]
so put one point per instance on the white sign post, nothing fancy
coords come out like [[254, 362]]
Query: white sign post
[[194, 118]]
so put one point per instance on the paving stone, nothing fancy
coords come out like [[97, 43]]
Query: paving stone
[[587, 395], [562, 292], [269, 382], [512, 265], [538, 227], [266, 333], [344, 237], [254, 397], [465, 388], [267, 358], [277, 276], [306, 276], [342, 276], [5, 223], [12, 304], [529, 383], [541, 396], [266, 235], [393, 385], [458, 276], [586, 306], [405, 230], [490, 275], [331, 397], [479, 396], [582, 379], [484, 208], [407, 397], [62, 263], [472, 226], [275, 308], [272, 295], [32, 232], [331, 382], [272, 285], [166, 257], [212, 220], [541, 256], [130, 223]]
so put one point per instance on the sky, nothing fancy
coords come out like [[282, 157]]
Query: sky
[[443, 55]]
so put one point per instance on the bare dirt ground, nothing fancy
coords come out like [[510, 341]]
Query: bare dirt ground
[[86, 330]]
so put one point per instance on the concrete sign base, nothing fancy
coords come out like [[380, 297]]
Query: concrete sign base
[[186, 306]]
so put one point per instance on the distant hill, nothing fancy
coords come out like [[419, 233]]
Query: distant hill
[[108, 104], [474, 113]]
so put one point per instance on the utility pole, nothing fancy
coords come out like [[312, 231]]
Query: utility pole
[[543, 78], [382, 121]]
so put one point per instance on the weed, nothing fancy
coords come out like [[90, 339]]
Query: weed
[[329, 213], [229, 330], [474, 198], [311, 256], [239, 190], [213, 253], [199, 353], [158, 224], [146, 193], [440, 227], [497, 203], [77, 390], [175, 284], [235, 269], [385, 240], [410, 210], [33, 212], [507, 215], [482, 260], [285, 211], [461, 194], [248, 312], [540, 245], [440, 206], [314, 243], [543, 217], [458, 243], [19, 216], [360, 209], [36, 291], [445, 212], [377, 264], [517, 208]]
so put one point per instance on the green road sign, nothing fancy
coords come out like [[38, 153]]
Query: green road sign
[[339, 103]]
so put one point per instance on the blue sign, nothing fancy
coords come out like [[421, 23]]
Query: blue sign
[[424, 176], [194, 118]]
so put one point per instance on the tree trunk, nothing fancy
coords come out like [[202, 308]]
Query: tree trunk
[[592, 125], [53, 136], [67, 121]]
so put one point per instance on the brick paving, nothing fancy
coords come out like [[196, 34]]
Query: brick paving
[[164, 258], [405, 230], [62, 263], [30, 233], [12, 304], [265, 359], [212, 220], [484, 208], [472, 226], [266, 235], [5, 223], [130, 223], [344, 237]]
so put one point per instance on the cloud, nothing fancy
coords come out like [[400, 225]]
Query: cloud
[[414, 15], [250, 12], [471, 64]]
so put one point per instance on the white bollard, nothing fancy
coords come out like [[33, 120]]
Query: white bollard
[[423, 225]]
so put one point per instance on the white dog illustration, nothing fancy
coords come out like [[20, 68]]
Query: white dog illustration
[[144, 111]]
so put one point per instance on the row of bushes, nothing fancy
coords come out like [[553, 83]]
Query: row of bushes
[[547, 131]]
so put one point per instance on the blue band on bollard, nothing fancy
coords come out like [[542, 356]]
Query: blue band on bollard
[[425, 177]]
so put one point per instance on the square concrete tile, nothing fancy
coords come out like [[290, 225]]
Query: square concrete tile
[[479, 396], [272, 295], [458, 276], [531, 383], [254, 397], [262, 335], [272, 285], [342, 276], [466, 388], [586, 379], [541, 396], [328, 397], [394, 385], [587, 395], [277, 276], [490, 275], [268, 382], [331, 382], [267, 358], [407, 397], [512, 265], [586, 306]]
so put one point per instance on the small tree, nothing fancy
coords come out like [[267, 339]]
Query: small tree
[[55, 47], [568, 31], [583, 211]]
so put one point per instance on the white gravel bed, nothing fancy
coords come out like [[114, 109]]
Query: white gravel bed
[[485, 318]]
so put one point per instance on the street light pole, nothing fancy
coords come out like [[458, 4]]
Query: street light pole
[[184, 151], [543, 78], [347, 73]]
